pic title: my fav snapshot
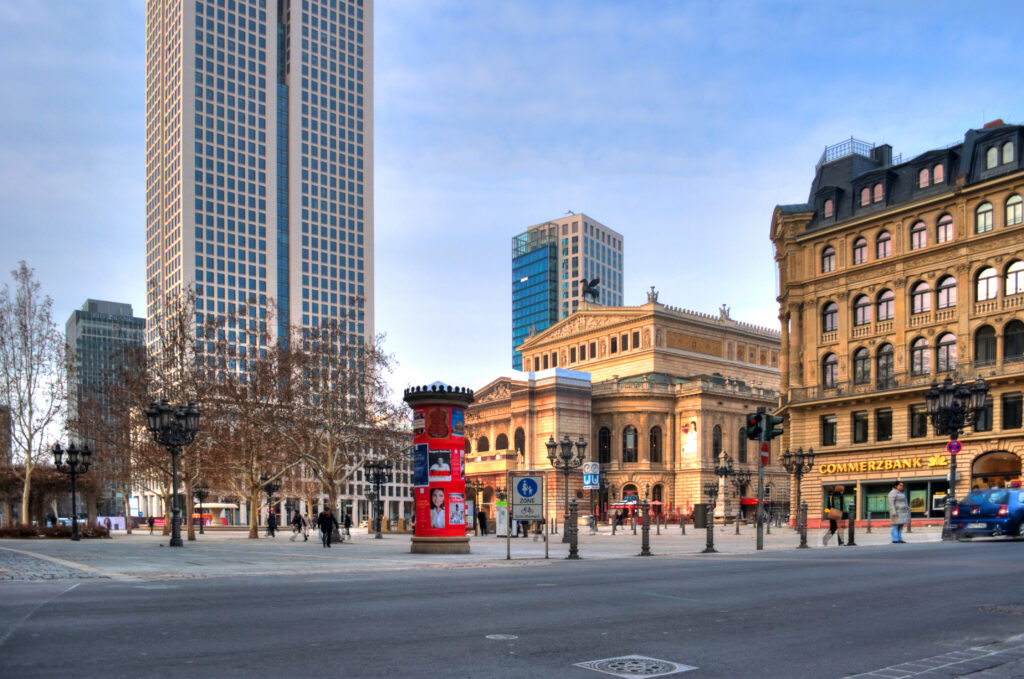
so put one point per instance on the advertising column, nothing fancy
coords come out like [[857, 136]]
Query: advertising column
[[439, 468]]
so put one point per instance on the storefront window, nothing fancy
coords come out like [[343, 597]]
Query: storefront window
[[927, 498]]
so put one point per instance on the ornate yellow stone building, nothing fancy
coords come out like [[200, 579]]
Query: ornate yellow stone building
[[892, 276], [655, 391]]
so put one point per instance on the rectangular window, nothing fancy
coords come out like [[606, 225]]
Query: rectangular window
[[545, 361], [593, 350], [883, 425], [859, 424], [536, 364], [636, 339], [828, 430], [572, 354], [614, 347], [984, 422], [1012, 411], [583, 352], [625, 342], [554, 360], [918, 422]]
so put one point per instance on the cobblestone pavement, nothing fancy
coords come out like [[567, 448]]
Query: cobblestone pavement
[[1000, 660], [17, 565]]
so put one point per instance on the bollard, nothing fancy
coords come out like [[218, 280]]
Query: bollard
[[554, 525], [801, 522], [682, 524], [869, 521], [658, 524], [739, 513], [573, 531], [768, 527], [632, 518], [710, 546], [853, 521], [645, 541], [910, 528]]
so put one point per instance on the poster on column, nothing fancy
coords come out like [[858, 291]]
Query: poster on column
[[456, 509], [420, 465], [440, 466]]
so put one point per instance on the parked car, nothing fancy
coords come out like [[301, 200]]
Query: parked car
[[992, 512]]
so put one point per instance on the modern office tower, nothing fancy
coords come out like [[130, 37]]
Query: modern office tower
[[259, 163], [99, 334], [550, 261]]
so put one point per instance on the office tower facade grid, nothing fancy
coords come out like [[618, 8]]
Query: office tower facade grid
[[259, 163], [549, 263]]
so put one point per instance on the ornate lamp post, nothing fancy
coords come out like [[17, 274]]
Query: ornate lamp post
[[173, 428], [378, 472], [201, 492], [562, 458], [711, 490], [77, 463], [798, 465], [952, 408]]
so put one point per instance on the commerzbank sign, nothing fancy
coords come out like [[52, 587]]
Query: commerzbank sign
[[883, 465]]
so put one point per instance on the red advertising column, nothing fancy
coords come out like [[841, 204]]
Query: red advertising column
[[439, 468]]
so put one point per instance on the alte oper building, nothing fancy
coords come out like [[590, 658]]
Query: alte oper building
[[892, 276], [655, 391]]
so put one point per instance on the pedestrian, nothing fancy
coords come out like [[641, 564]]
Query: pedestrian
[[481, 517], [271, 524], [106, 523], [593, 523], [298, 525], [348, 525], [327, 524], [899, 513], [305, 527], [151, 521], [834, 506]]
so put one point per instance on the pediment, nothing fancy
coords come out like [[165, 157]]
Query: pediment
[[580, 323]]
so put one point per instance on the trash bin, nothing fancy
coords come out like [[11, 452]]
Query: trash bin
[[700, 516]]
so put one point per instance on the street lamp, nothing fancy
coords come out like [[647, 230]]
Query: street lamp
[[173, 428], [561, 457], [201, 492], [77, 463], [952, 408], [378, 472], [711, 490], [798, 465]]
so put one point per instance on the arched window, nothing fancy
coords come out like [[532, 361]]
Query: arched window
[[1014, 214], [629, 444], [865, 196], [1014, 278], [861, 366], [1008, 152], [828, 259], [983, 218], [716, 441], [991, 157], [944, 229], [501, 443], [604, 445], [988, 284], [520, 439], [830, 317], [741, 444], [886, 305], [946, 292], [1013, 341], [861, 310], [946, 359], [985, 345], [994, 468], [918, 236], [469, 447], [657, 495], [883, 245], [924, 177], [656, 444], [938, 174], [920, 357], [920, 298], [860, 251], [884, 367], [829, 208], [878, 193], [829, 371], [482, 445]]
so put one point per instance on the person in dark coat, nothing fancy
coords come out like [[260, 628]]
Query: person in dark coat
[[271, 525], [151, 521], [327, 524], [348, 525], [481, 517], [835, 501], [298, 523]]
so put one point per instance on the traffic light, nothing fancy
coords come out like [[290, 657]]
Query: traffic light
[[754, 426], [772, 426]]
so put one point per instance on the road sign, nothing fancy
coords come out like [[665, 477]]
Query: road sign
[[953, 447], [764, 453], [528, 498], [591, 475]]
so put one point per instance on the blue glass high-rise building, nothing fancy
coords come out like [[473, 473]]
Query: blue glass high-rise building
[[550, 260]]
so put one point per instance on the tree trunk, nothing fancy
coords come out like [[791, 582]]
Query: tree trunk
[[332, 502], [254, 515], [127, 513], [8, 512], [26, 490]]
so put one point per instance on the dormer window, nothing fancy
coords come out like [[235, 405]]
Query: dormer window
[[924, 178], [865, 196], [1008, 152], [829, 208], [938, 174], [991, 157], [878, 192]]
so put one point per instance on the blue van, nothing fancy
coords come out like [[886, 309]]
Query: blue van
[[992, 512]]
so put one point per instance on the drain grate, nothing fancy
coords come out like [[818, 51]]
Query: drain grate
[[635, 666]]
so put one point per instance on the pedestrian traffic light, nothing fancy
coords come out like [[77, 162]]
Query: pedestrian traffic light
[[754, 426], [770, 424]]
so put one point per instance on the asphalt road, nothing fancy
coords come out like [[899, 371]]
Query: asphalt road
[[809, 613]]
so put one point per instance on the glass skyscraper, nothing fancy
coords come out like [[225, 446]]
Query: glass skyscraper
[[259, 163], [550, 261]]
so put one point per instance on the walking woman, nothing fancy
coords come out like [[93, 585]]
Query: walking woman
[[834, 506]]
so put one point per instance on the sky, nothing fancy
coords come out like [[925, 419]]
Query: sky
[[681, 125]]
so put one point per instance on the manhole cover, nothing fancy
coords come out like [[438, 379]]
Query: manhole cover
[[635, 666], [502, 637], [1013, 609]]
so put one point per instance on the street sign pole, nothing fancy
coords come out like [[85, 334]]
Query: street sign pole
[[545, 514], [759, 521], [508, 517]]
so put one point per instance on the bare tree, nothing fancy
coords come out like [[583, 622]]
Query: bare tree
[[32, 384]]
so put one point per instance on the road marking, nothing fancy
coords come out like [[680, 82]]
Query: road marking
[[670, 596], [502, 637]]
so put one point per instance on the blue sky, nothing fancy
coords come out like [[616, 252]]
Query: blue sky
[[679, 124]]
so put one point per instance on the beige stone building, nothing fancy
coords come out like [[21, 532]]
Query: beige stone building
[[655, 391], [892, 276]]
